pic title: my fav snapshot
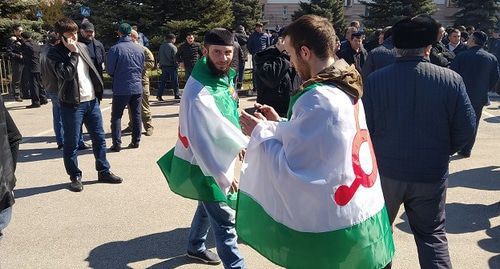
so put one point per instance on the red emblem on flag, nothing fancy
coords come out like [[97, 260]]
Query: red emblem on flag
[[183, 139], [344, 194]]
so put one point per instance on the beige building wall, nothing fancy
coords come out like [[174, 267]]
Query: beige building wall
[[279, 12]]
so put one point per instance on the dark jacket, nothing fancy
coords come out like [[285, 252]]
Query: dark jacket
[[49, 78], [440, 55], [274, 79], [65, 68], [14, 51], [242, 40], [257, 42], [379, 57], [479, 70], [31, 56], [460, 48], [9, 144], [237, 56], [96, 52], [125, 63], [349, 54], [494, 47], [189, 54], [418, 114]]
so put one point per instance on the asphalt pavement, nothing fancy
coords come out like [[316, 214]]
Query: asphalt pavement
[[142, 224]]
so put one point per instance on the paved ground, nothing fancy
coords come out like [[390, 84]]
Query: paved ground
[[141, 224]]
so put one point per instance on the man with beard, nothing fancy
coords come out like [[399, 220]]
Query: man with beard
[[201, 165], [302, 185], [95, 47]]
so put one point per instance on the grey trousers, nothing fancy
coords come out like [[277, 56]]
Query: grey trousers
[[424, 205]]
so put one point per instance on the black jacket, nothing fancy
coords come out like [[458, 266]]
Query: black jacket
[[440, 55], [14, 51], [96, 52], [64, 66], [9, 144], [189, 54], [31, 56], [242, 40], [460, 48], [348, 54], [274, 79], [237, 56], [49, 78]]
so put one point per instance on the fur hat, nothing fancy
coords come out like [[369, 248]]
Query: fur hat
[[417, 32]]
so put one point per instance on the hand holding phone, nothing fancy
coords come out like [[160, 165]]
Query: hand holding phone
[[69, 43]]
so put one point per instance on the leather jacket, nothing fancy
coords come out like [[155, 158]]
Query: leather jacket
[[64, 64]]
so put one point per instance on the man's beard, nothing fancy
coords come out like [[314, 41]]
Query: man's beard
[[216, 71], [303, 69]]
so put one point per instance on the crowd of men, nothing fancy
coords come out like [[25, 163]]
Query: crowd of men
[[305, 76]]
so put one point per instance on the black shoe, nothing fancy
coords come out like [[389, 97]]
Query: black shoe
[[159, 98], [205, 256], [33, 106], [133, 145], [60, 146], [84, 146], [177, 97], [108, 177], [76, 184], [115, 148], [464, 154], [44, 102], [149, 132], [127, 130], [18, 98]]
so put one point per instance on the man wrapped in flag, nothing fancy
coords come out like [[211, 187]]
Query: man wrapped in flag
[[201, 165], [310, 193]]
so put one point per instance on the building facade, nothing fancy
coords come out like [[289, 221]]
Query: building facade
[[277, 13]]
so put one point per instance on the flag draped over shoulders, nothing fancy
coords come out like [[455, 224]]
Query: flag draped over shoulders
[[310, 194], [201, 164]]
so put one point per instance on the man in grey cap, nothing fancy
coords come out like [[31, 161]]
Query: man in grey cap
[[95, 47], [479, 69], [412, 151]]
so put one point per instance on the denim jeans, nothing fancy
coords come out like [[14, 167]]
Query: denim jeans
[[222, 220], [171, 73], [241, 75], [5, 216], [57, 121], [73, 117], [134, 102]]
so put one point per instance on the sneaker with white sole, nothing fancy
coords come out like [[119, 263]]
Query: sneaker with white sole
[[205, 256]]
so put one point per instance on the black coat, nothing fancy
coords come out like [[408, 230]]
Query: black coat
[[64, 65], [14, 51], [479, 69], [440, 55], [189, 54], [274, 79], [460, 48], [9, 144], [31, 56], [348, 54], [243, 40], [96, 52]]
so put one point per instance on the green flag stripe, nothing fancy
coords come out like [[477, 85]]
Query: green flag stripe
[[296, 96], [364, 246], [188, 180]]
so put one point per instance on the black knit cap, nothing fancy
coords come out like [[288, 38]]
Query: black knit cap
[[219, 36], [417, 32]]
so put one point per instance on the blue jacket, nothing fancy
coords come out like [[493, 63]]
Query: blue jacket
[[479, 70], [379, 57], [418, 114], [257, 42], [125, 63]]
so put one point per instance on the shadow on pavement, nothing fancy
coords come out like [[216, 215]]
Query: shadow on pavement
[[166, 116], [463, 218], [27, 192], [33, 155], [169, 246], [39, 139], [484, 178], [493, 119]]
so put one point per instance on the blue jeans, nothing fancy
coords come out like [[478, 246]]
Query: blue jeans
[[73, 117], [222, 220], [57, 121], [5, 216], [171, 73], [134, 102], [241, 75]]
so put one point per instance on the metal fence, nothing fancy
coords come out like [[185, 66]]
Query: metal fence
[[5, 75]]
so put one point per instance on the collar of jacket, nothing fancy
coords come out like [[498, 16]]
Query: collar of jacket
[[340, 74], [412, 59], [125, 39]]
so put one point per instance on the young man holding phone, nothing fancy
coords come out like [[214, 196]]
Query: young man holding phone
[[80, 90]]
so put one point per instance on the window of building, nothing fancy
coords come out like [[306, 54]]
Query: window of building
[[451, 3], [285, 12], [348, 3]]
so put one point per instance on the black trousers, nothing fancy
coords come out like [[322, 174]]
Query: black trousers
[[424, 205], [37, 92], [467, 149]]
